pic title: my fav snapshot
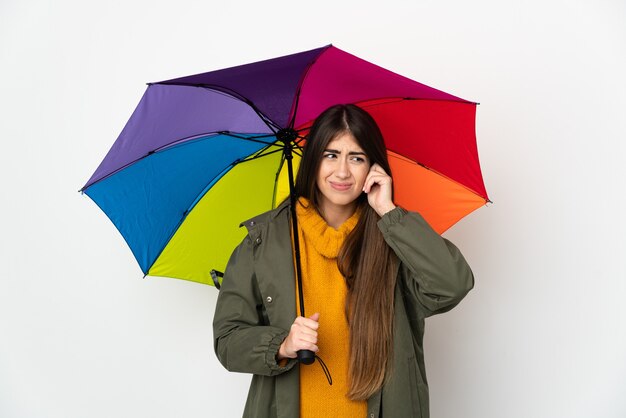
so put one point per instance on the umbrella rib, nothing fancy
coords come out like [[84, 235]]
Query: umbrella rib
[[270, 123], [258, 155], [250, 138], [178, 142], [201, 136], [298, 141], [225, 90], [264, 136], [181, 142], [300, 83], [391, 99], [261, 151], [185, 141]]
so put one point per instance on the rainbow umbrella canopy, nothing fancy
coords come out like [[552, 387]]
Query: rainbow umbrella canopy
[[200, 154]]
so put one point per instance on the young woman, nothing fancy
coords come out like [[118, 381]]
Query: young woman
[[371, 273]]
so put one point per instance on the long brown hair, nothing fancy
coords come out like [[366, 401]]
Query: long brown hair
[[365, 260]]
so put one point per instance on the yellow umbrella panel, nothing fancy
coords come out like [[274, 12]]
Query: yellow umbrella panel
[[210, 232]]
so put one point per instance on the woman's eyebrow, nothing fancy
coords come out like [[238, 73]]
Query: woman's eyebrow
[[335, 151]]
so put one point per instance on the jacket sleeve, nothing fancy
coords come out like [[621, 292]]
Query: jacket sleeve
[[241, 341], [436, 275]]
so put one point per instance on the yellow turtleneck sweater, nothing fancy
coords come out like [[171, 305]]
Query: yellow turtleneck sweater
[[325, 292]]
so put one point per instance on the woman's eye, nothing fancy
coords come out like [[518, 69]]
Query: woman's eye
[[358, 159], [330, 156]]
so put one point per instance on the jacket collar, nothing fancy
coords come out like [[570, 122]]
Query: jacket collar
[[269, 216]]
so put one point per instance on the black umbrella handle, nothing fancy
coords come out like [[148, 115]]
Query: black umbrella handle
[[309, 357], [306, 357]]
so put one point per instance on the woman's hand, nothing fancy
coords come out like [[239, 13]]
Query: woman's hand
[[302, 336], [378, 186]]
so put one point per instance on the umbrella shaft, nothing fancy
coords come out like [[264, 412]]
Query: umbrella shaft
[[294, 223]]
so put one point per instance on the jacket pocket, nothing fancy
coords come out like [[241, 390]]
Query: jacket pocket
[[262, 314]]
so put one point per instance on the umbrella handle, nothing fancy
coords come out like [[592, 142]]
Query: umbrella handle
[[306, 357]]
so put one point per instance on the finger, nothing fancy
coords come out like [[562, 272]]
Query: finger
[[303, 344], [312, 347], [308, 345], [308, 322], [298, 331], [378, 168], [306, 338], [378, 174], [301, 331], [308, 328], [371, 180], [380, 178], [298, 345], [368, 183], [301, 320]]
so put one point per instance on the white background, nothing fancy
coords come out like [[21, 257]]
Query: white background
[[542, 335]]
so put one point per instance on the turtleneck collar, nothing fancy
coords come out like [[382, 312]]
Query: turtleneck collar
[[324, 238]]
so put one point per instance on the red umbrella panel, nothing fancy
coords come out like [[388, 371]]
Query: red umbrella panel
[[431, 145]]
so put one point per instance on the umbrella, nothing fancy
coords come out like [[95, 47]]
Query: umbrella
[[202, 153]]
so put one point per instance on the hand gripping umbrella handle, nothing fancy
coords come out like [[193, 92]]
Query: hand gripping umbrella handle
[[306, 356]]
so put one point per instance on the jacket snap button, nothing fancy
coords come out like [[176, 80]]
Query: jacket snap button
[[251, 223], [257, 241], [269, 299]]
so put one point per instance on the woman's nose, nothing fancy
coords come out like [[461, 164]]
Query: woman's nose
[[342, 169]]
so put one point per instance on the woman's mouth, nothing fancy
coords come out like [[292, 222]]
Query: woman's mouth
[[341, 187]]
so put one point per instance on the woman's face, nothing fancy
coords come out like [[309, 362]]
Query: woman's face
[[342, 173]]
